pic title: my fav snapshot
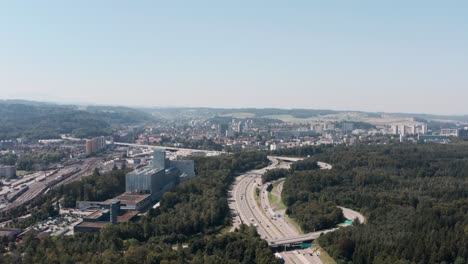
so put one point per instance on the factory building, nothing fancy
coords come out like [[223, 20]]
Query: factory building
[[142, 187], [186, 167], [148, 180], [7, 172], [449, 132], [103, 213], [161, 175]]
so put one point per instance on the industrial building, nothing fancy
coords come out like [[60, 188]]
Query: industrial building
[[142, 187], [161, 175], [9, 233], [7, 172], [151, 179], [108, 212], [433, 138], [449, 132]]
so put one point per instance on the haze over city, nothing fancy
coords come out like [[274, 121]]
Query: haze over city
[[400, 56], [209, 132]]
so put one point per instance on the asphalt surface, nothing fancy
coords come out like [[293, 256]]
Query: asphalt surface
[[270, 222], [269, 226]]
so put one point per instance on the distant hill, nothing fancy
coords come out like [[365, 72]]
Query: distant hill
[[33, 120], [274, 113]]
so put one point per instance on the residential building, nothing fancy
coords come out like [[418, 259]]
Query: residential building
[[7, 172]]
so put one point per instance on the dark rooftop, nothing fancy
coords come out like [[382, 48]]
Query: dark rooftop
[[132, 198], [127, 216]]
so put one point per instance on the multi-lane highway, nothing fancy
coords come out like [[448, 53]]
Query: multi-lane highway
[[250, 209]]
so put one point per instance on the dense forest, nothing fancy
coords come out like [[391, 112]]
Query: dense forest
[[33, 160], [242, 246], [301, 151], [415, 198], [193, 213], [48, 121]]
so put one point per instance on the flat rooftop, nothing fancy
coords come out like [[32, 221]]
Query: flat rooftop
[[97, 214], [132, 198], [9, 231], [148, 170], [127, 216], [93, 224]]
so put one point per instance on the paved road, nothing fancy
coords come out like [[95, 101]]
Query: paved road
[[257, 211], [247, 210]]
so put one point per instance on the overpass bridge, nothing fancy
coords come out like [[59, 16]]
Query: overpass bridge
[[297, 240], [290, 159], [212, 152]]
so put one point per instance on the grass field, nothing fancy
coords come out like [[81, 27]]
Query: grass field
[[326, 259]]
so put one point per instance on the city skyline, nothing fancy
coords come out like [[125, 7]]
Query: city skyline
[[397, 57]]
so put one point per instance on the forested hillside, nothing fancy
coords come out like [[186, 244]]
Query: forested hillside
[[43, 121], [414, 196]]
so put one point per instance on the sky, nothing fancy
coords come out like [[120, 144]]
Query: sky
[[390, 56]]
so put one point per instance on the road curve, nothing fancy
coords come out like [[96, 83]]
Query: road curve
[[270, 222]]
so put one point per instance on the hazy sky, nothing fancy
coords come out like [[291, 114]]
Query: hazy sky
[[397, 56]]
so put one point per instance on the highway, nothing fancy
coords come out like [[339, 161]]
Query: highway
[[271, 224]]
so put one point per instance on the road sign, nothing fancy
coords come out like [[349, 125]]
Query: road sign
[[306, 245]]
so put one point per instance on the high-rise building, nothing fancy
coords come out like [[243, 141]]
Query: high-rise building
[[413, 130], [402, 130], [7, 172], [100, 143], [159, 159], [91, 146], [395, 130], [347, 127], [239, 127], [424, 129], [222, 128], [94, 145]]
